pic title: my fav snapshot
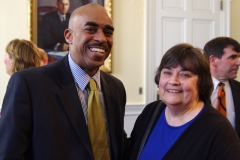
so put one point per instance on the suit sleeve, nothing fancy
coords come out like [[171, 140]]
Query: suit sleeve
[[16, 120]]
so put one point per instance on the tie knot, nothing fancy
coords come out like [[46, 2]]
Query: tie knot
[[221, 84], [92, 85], [63, 18]]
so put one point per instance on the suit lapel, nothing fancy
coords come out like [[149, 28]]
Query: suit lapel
[[109, 103], [72, 105], [235, 87]]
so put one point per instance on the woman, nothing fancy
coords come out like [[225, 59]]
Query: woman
[[183, 125], [44, 56], [21, 54]]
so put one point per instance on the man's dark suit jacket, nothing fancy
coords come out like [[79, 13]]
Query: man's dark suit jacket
[[51, 30], [42, 116], [235, 87]]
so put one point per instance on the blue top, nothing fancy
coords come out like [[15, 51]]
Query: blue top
[[162, 138]]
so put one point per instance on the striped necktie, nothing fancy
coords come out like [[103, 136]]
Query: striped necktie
[[221, 99]]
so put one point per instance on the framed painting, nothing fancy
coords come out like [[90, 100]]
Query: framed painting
[[52, 43]]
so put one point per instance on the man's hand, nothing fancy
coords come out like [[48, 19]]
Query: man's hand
[[62, 47]]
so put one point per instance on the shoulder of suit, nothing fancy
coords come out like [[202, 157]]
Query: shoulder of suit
[[234, 82], [107, 75], [110, 79], [51, 14], [68, 14]]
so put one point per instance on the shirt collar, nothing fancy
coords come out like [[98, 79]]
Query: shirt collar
[[80, 76], [61, 15], [216, 81]]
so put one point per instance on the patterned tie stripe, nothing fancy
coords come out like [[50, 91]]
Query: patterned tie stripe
[[221, 99]]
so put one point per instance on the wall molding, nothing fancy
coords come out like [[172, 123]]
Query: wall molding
[[150, 67], [225, 18], [134, 109]]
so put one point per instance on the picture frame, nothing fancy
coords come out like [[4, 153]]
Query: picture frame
[[34, 19]]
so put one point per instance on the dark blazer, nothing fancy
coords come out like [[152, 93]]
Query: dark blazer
[[235, 87], [42, 116], [210, 136], [51, 30]]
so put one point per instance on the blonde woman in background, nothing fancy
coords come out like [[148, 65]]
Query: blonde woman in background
[[21, 54]]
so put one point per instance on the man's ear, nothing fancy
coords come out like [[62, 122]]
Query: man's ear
[[212, 60], [68, 35]]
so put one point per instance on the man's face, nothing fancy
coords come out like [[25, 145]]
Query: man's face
[[90, 39], [227, 66], [63, 6]]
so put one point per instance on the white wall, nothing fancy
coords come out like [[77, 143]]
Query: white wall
[[129, 47], [128, 54], [235, 23], [14, 24]]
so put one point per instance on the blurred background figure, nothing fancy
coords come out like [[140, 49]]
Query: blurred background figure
[[223, 55], [21, 54], [44, 56]]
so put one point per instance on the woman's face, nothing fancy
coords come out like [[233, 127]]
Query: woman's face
[[178, 87], [8, 63]]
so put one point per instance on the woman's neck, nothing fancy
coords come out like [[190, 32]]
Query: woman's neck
[[179, 115]]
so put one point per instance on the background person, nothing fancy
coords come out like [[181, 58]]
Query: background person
[[21, 54], [45, 113], [183, 125], [223, 56], [44, 56], [52, 27]]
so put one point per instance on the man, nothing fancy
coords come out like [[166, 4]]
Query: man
[[52, 26], [45, 109], [223, 55]]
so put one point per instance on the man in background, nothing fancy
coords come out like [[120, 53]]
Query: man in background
[[223, 55], [52, 27]]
